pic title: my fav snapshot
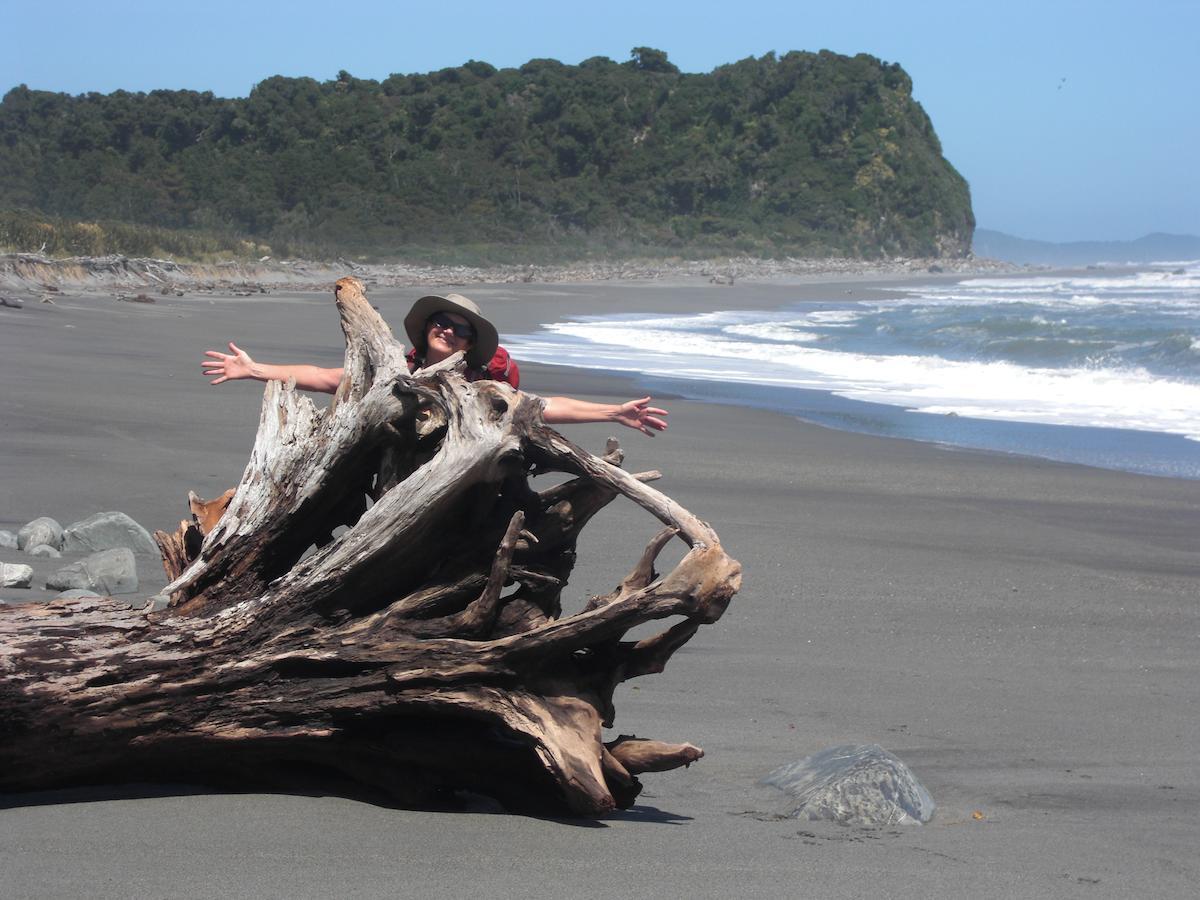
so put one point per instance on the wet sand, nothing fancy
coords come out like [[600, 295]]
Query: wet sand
[[1022, 633]]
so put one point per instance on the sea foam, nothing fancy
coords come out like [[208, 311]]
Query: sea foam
[[1110, 351]]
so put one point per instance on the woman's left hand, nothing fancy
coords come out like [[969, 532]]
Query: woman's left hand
[[639, 414]]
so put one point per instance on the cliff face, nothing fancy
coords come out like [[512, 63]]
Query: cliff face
[[803, 153]]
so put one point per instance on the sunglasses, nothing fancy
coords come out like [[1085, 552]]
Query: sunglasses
[[445, 323]]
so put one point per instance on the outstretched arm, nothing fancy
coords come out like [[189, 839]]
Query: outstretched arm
[[637, 414], [237, 364]]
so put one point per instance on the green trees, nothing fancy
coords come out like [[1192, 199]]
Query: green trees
[[792, 154]]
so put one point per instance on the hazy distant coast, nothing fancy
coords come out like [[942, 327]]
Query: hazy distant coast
[[1147, 249]]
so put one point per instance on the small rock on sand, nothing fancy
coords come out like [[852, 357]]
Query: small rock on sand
[[107, 530], [108, 572], [853, 784], [157, 603], [15, 575], [43, 530]]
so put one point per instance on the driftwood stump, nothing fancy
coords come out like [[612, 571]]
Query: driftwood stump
[[378, 605]]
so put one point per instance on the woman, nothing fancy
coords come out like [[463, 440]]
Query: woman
[[439, 327]]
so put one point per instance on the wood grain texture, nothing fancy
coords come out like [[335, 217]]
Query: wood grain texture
[[378, 605]]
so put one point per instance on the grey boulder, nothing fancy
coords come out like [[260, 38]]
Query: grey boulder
[[43, 530], [75, 593], [44, 550], [151, 604], [106, 572], [106, 531], [8, 541], [157, 603], [852, 784], [15, 575]]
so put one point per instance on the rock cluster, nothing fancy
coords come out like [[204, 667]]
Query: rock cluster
[[105, 545]]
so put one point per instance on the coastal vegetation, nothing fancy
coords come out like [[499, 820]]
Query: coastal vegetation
[[797, 154], [31, 232]]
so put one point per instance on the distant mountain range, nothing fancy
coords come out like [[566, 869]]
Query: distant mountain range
[[1156, 247]]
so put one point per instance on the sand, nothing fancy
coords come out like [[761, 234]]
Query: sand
[[1023, 634]]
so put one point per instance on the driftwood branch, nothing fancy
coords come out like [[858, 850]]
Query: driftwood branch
[[378, 599]]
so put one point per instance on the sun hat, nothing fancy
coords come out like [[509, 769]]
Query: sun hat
[[486, 338]]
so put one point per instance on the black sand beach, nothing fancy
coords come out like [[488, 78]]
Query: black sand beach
[[1022, 633]]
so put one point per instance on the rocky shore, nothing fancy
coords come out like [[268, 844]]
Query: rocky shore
[[97, 555], [25, 276]]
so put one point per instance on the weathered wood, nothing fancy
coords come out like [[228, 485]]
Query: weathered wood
[[380, 600], [181, 547]]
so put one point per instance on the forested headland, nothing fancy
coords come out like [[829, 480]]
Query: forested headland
[[797, 154]]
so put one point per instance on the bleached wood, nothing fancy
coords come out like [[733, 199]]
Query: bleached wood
[[380, 599]]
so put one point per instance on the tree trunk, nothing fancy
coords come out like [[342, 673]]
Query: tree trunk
[[380, 602]]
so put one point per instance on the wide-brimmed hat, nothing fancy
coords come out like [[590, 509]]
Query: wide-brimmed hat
[[486, 338]]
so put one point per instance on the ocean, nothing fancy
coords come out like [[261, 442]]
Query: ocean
[[1100, 368]]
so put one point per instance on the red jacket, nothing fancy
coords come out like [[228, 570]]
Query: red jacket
[[502, 367]]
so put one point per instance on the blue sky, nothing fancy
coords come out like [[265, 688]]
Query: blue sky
[[1070, 120]]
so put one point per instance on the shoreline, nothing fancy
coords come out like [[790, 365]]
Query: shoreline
[[518, 307], [1004, 438], [523, 308], [33, 274], [1147, 452]]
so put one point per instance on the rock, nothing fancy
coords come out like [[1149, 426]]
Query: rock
[[8, 541], [44, 550], [157, 603], [107, 530], [12, 302], [76, 592], [107, 572], [15, 575], [43, 530], [853, 784]]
